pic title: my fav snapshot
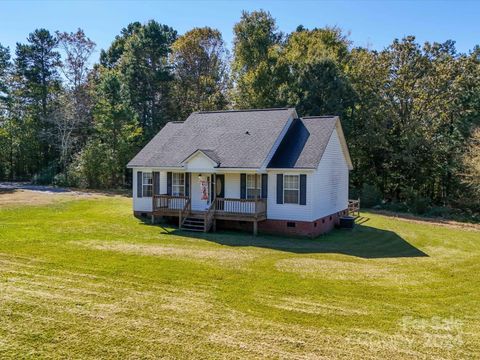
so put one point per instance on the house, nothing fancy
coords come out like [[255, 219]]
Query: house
[[264, 170]]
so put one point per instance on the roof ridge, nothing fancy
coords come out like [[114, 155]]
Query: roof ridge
[[319, 116], [242, 110]]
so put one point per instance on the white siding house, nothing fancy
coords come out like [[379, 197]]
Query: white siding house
[[330, 194], [266, 167]]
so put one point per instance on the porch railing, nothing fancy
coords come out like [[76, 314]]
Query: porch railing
[[184, 212], [354, 207], [209, 216], [169, 202], [241, 206], [233, 206]]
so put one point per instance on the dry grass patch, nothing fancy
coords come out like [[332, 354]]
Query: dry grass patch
[[34, 303], [361, 270], [37, 198], [312, 306], [253, 337], [410, 218], [228, 257]]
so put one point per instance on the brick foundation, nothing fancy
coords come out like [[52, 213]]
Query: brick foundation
[[276, 227], [301, 228], [280, 227], [142, 214]]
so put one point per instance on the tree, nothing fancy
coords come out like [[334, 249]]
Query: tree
[[116, 129], [77, 48], [416, 105], [146, 73], [37, 64], [369, 124], [35, 86], [199, 61], [64, 123], [310, 46], [5, 67], [109, 58], [255, 70], [320, 88], [471, 175]]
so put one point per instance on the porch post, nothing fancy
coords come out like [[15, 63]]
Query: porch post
[[255, 228]]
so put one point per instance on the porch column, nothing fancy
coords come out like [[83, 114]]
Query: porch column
[[255, 228]]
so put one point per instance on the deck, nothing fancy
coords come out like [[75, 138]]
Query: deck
[[253, 210]]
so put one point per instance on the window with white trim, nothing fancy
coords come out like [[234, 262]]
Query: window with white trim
[[178, 184], [147, 184], [291, 189], [253, 190]]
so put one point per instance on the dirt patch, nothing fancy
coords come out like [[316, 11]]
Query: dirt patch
[[419, 220], [35, 198]]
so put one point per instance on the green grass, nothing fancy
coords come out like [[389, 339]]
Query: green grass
[[85, 279]]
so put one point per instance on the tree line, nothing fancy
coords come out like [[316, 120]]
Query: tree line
[[410, 112]]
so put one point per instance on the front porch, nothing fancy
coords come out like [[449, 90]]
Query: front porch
[[234, 209]]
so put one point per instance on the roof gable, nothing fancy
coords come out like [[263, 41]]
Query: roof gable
[[305, 142], [205, 153]]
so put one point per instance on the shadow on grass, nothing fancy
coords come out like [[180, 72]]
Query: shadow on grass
[[363, 241]]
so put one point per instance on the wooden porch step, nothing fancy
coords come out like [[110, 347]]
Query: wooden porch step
[[193, 223]]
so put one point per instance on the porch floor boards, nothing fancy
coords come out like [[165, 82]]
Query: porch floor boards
[[219, 215]]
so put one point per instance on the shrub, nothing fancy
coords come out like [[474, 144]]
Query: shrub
[[370, 196], [396, 206], [60, 180], [439, 211], [45, 176], [94, 167], [419, 205]]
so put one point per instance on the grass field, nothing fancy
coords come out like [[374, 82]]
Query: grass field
[[80, 277]]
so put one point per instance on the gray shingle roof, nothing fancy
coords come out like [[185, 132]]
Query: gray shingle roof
[[304, 143], [238, 139]]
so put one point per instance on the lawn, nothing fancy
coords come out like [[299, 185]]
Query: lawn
[[80, 277]]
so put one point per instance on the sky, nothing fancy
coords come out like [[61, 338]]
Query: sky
[[372, 24]]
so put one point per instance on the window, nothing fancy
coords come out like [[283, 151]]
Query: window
[[178, 184], [253, 190], [291, 224], [291, 189], [147, 184]]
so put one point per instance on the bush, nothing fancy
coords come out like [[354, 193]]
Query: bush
[[417, 203], [45, 176], [60, 180], [439, 211], [395, 207], [95, 167], [370, 196]]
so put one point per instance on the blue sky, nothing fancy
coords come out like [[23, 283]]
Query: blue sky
[[370, 23]]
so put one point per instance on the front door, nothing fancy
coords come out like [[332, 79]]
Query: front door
[[200, 191]]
